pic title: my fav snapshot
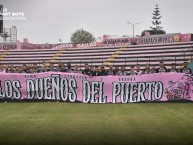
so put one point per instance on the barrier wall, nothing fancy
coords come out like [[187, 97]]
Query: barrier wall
[[121, 42]]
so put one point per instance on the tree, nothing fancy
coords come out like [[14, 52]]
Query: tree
[[153, 32], [81, 36], [4, 36], [156, 20], [156, 29]]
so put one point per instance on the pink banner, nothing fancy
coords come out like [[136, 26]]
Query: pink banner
[[4, 46], [107, 89]]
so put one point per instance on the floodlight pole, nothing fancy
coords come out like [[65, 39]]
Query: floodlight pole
[[133, 25]]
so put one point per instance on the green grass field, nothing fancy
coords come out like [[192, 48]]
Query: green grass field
[[76, 123]]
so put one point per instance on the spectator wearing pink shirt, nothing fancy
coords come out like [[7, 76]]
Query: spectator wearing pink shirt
[[2, 70]]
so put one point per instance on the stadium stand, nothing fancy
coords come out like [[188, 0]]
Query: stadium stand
[[132, 55]]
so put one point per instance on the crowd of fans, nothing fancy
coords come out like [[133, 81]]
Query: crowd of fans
[[94, 71]]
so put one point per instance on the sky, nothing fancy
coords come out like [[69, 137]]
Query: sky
[[47, 21]]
